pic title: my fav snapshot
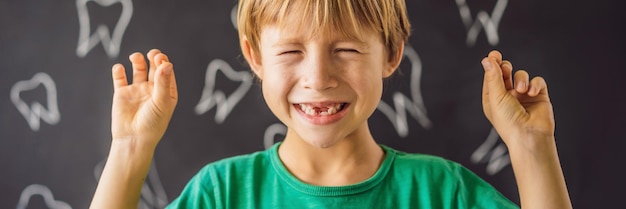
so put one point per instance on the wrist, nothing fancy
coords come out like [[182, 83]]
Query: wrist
[[538, 174], [132, 145], [131, 153], [531, 144], [122, 178]]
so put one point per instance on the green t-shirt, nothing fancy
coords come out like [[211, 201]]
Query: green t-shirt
[[260, 180]]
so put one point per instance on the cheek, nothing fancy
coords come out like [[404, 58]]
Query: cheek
[[368, 84], [275, 85], [273, 96], [369, 87], [374, 89], [270, 85], [365, 76]]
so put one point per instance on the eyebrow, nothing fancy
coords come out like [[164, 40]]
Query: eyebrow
[[298, 41], [287, 41], [360, 44]]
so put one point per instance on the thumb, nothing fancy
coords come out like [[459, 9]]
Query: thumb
[[493, 83], [163, 77]]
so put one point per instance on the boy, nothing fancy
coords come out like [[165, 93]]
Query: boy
[[321, 65]]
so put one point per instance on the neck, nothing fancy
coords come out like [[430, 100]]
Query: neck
[[351, 160]]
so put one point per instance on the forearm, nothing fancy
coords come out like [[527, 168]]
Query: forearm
[[123, 175], [539, 176]]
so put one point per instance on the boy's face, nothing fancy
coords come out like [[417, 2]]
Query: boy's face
[[324, 87]]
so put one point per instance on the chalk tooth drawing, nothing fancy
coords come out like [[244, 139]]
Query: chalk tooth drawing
[[403, 104], [37, 111], [43, 191], [152, 192], [271, 132], [494, 153], [212, 97], [490, 24], [111, 43]]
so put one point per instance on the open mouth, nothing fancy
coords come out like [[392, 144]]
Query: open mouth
[[321, 109]]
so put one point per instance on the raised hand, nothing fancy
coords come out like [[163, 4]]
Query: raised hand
[[142, 110], [517, 107], [140, 114], [520, 110]]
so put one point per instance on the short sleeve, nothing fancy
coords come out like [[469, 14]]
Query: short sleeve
[[474, 192], [198, 193]]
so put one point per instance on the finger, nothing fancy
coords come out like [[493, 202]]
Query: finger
[[118, 73], [160, 58], [173, 86], [507, 74], [537, 86], [153, 67], [493, 83], [495, 54], [163, 77], [485, 98], [140, 69], [521, 81]]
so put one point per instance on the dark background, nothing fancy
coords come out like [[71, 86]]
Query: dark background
[[577, 46]]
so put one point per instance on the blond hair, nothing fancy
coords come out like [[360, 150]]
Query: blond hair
[[349, 17]]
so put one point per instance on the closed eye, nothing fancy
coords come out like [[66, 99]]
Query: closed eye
[[347, 50], [289, 52]]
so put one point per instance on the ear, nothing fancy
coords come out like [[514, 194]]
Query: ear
[[251, 57], [394, 60]]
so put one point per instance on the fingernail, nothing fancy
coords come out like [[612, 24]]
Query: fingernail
[[521, 86], [508, 65], [486, 64], [532, 90], [167, 70], [117, 66]]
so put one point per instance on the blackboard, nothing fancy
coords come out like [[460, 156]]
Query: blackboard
[[55, 91]]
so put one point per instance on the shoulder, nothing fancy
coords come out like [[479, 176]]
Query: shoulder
[[237, 164], [421, 161], [211, 174], [211, 182], [430, 168], [450, 179], [206, 187]]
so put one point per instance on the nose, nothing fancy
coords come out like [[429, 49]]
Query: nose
[[319, 72]]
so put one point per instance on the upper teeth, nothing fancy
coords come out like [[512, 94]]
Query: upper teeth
[[312, 110]]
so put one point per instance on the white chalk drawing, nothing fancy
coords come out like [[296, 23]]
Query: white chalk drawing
[[37, 111], [490, 24], [111, 43], [152, 192], [494, 153], [45, 193], [403, 104], [233, 16], [212, 97], [271, 132]]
